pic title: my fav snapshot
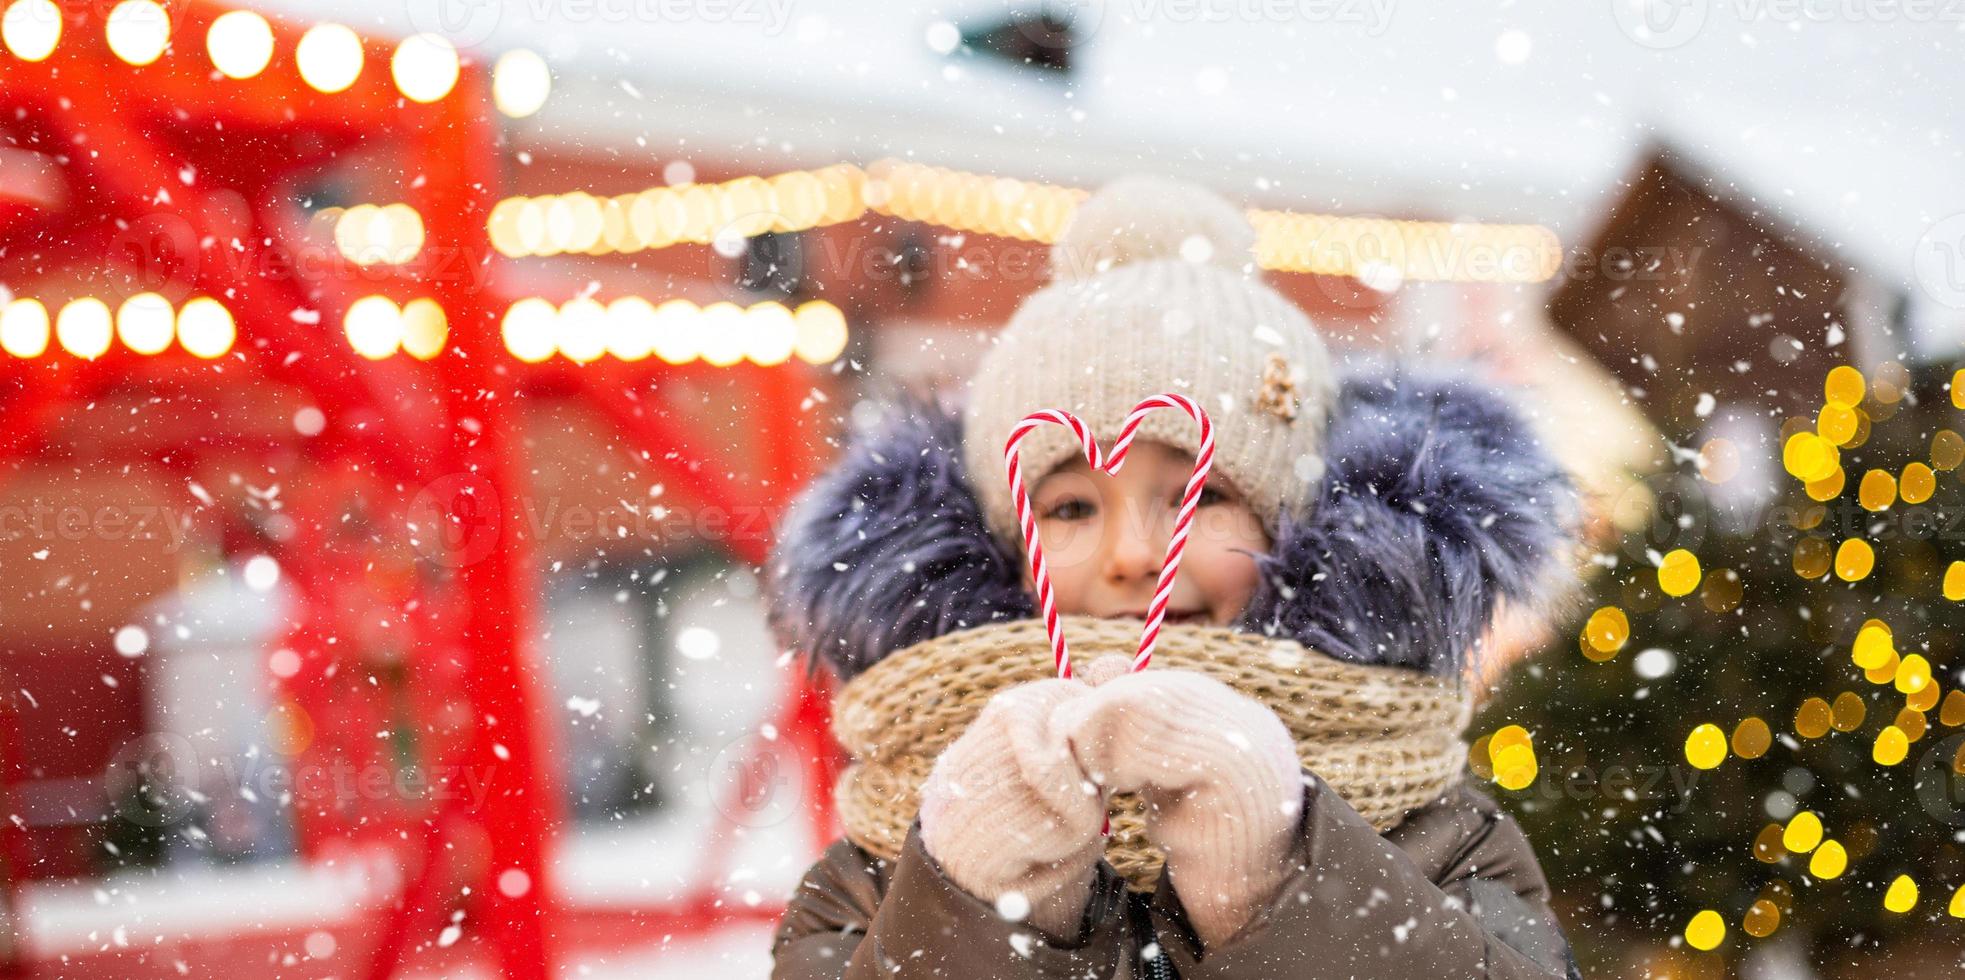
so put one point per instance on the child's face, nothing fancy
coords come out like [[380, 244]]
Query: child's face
[[1104, 537]]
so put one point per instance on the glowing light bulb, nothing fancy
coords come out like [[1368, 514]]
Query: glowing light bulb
[[425, 328], [674, 332], [330, 57], [425, 67], [582, 330], [503, 227], [240, 44], [138, 31], [24, 328], [351, 232], [205, 328], [402, 233], [84, 328], [720, 329], [374, 326], [821, 334], [369, 235], [528, 330], [630, 328], [31, 29], [520, 83], [771, 335], [146, 323], [533, 233]]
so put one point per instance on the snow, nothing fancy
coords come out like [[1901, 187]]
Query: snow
[[261, 573], [737, 953], [132, 641], [1654, 663], [1513, 47], [61, 917], [1845, 132], [210, 640], [698, 643], [646, 865], [655, 862]]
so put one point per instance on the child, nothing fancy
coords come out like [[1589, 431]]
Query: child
[[1376, 518]]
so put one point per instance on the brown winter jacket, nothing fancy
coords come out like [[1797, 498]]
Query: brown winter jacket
[[1454, 891]]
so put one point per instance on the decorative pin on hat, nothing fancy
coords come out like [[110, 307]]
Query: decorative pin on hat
[[1279, 395]]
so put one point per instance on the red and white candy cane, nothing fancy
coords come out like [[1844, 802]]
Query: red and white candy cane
[[1170, 564]]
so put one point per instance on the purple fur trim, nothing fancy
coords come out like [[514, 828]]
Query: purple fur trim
[[888, 548], [1437, 503]]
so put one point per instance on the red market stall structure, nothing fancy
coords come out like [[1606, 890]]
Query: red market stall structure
[[171, 185]]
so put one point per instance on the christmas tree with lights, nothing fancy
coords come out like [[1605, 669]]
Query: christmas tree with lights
[[1755, 738]]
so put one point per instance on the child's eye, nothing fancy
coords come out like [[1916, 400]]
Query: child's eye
[[1210, 497], [1069, 509]]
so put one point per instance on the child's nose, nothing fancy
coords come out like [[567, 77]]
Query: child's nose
[[1132, 556]]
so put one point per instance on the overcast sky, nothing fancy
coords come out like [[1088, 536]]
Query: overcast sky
[[1844, 115]]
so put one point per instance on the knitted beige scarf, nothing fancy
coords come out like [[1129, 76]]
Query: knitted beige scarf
[[1386, 739]]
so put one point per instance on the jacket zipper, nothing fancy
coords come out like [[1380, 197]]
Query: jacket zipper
[[1158, 966]]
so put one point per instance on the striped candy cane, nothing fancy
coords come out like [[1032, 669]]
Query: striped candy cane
[[1170, 564]]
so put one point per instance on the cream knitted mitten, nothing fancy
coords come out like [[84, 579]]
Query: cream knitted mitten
[[1219, 774], [1009, 814]]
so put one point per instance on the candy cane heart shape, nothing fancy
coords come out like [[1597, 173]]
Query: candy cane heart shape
[[1027, 521]]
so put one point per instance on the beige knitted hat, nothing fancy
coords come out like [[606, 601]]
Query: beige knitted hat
[[1154, 289]]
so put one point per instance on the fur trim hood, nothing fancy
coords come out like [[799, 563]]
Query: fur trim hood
[[1436, 505]]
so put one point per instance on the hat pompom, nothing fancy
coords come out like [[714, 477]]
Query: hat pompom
[[1139, 219]]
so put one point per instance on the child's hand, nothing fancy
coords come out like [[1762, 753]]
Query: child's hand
[[1007, 809], [1219, 774]]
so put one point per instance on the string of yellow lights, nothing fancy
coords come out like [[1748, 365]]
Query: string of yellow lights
[[145, 323], [581, 223], [631, 328], [241, 44], [1383, 252]]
